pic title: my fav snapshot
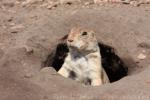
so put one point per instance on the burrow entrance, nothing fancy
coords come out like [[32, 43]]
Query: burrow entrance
[[111, 62]]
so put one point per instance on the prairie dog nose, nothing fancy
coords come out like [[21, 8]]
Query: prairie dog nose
[[70, 40]]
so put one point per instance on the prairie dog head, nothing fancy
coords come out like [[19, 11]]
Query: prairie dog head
[[82, 40]]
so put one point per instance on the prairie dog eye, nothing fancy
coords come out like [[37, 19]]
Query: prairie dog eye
[[84, 33]]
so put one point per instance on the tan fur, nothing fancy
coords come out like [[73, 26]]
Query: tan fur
[[83, 62]]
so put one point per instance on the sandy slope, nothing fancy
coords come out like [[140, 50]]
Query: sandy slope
[[29, 34]]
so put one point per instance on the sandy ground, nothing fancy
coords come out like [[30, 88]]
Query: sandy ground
[[28, 34]]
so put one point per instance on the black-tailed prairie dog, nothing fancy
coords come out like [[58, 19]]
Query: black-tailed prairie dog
[[83, 62]]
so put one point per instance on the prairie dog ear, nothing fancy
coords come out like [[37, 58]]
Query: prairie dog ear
[[63, 39]]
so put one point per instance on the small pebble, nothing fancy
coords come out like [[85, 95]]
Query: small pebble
[[87, 3], [17, 27], [28, 75], [141, 56], [52, 6], [29, 50], [12, 24]]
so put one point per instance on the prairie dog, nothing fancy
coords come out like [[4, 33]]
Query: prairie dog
[[83, 62]]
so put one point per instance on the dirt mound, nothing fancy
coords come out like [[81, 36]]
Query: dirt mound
[[29, 34]]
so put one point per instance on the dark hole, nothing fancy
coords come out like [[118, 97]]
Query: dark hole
[[112, 63], [57, 57]]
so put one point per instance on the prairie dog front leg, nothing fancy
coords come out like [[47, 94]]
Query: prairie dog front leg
[[96, 82], [96, 79], [64, 71]]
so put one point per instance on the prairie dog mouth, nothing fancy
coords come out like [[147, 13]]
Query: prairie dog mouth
[[72, 47]]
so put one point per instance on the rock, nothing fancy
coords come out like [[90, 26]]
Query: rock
[[68, 1], [12, 24], [48, 70], [141, 56], [53, 5], [131, 2], [16, 28], [45, 76], [29, 2], [28, 75], [87, 3], [106, 1], [144, 45], [29, 50], [20, 26], [134, 3], [97, 1]]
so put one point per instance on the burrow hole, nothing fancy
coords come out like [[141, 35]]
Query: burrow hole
[[111, 62]]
